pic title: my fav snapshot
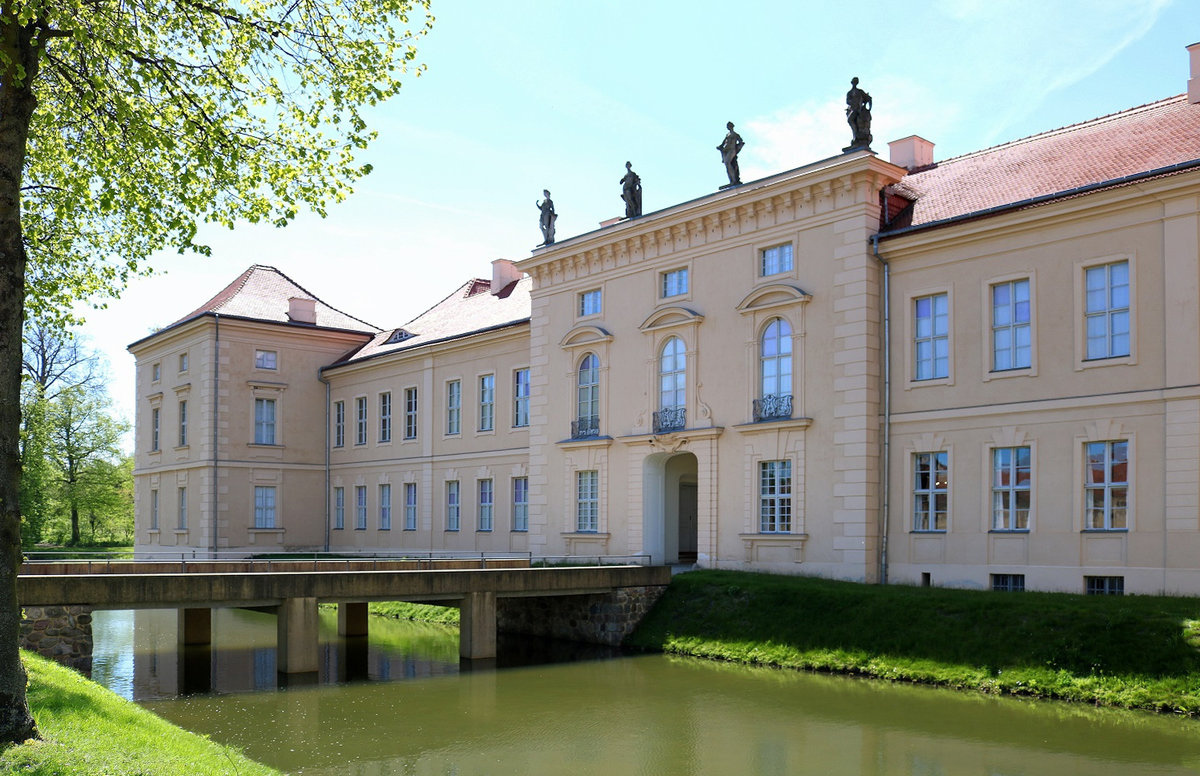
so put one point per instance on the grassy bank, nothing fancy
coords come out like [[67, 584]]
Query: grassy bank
[[400, 610], [87, 729], [1134, 651]]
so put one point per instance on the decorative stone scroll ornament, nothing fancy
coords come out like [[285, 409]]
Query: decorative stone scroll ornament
[[631, 192], [729, 148], [858, 116], [548, 217]]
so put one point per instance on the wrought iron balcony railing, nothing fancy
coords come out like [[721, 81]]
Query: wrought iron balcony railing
[[585, 427], [773, 408], [670, 419]]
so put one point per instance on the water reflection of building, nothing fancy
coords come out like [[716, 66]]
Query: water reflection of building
[[707, 382]]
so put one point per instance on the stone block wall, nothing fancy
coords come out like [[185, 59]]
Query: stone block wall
[[60, 633], [605, 618]]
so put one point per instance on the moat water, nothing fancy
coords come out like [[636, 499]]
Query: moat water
[[399, 702]]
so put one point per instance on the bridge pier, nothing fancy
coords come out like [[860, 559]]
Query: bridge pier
[[297, 636], [195, 626], [352, 619], [477, 626]]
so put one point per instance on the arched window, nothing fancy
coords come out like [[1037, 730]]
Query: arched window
[[775, 371], [672, 386], [587, 393]]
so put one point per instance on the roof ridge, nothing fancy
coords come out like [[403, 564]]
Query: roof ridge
[[1068, 127], [240, 282], [439, 303], [285, 276]]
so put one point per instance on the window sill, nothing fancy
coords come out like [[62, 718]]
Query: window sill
[[1092, 363], [519, 530], [266, 531], [930, 381], [483, 530], [1104, 530], [585, 534], [1009, 531], [929, 531], [267, 445]]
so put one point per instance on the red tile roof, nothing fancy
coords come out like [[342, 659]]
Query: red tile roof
[[471, 309], [262, 293], [1139, 140]]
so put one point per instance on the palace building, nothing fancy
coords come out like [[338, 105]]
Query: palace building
[[978, 372]]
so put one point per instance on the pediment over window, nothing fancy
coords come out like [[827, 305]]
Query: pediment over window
[[670, 316], [773, 295], [584, 335]]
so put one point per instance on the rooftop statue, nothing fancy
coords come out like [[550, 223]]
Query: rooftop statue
[[547, 219], [858, 116], [631, 192], [729, 149]]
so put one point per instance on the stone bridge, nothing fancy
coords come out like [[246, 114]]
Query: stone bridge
[[593, 603]]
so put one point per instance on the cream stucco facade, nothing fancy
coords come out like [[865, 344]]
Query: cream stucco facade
[[872, 370]]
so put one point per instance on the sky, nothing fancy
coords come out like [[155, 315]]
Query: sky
[[522, 96]]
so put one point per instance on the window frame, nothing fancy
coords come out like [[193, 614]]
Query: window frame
[[1103, 585], [183, 423], [453, 407], [385, 506], [587, 394], [265, 515], [156, 372], [1108, 487], [339, 508], [182, 516], [411, 409], [485, 505], [520, 495], [155, 426], [261, 359], [587, 501], [360, 421], [585, 301], [682, 283], [385, 417], [487, 402], [453, 505], [917, 338], [763, 258], [775, 496], [1007, 583], [154, 509], [339, 423], [925, 520], [521, 394], [1013, 327], [360, 507], [1012, 490], [410, 506], [1108, 311], [265, 428], [183, 362]]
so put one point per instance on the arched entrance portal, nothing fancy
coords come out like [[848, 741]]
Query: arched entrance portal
[[670, 508]]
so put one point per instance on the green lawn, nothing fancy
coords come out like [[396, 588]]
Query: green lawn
[[85, 729], [1129, 651], [401, 610]]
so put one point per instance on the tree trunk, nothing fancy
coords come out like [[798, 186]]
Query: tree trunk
[[74, 524], [17, 103]]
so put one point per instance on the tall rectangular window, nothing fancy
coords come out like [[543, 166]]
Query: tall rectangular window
[[155, 417], [360, 420], [264, 506], [452, 505], [487, 402], [1011, 331], [339, 508], [385, 507], [453, 407], [1012, 479], [265, 359], [589, 302], [1107, 310], [486, 505], [183, 509], [339, 423], [156, 372], [932, 336], [776, 260], [410, 413], [1106, 485], [410, 506], [775, 496], [674, 283], [154, 510], [520, 519], [520, 398], [183, 362], [264, 421], [587, 501], [360, 507], [931, 491], [385, 417], [183, 423]]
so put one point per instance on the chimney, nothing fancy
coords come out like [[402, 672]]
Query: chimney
[[912, 152], [1194, 81], [301, 310], [503, 273]]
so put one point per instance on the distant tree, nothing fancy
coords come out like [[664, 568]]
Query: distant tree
[[124, 124], [85, 447]]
